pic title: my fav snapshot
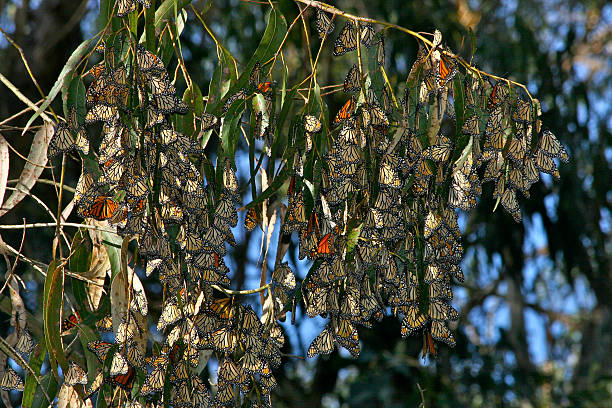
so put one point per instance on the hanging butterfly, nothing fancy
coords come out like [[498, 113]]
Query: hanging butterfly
[[241, 94], [71, 321], [347, 39], [323, 24], [551, 147], [380, 52], [125, 7], [63, 142], [446, 70], [312, 124], [11, 381], [251, 219], [498, 95], [346, 111], [352, 81], [25, 342], [367, 34], [209, 121], [439, 152], [102, 208], [75, 375]]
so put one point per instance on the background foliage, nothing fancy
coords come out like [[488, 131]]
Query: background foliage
[[535, 316]]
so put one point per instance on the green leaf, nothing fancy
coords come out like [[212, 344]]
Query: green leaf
[[35, 362], [112, 242], [193, 99], [167, 9], [472, 41], [71, 64], [49, 383], [53, 296], [106, 8]]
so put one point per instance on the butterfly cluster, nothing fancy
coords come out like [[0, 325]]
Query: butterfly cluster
[[396, 245], [372, 198]]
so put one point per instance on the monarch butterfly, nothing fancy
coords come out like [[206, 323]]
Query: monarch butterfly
[[125, 381], [498, 95], [265, 87], [102, 208], [100, 348], [251, 219], [522, 111], [322, 344], [154, 116], [312, 124], [446, 70], [296, 214], [546, 164], [282, 275], [170, 314], [11, 381], [254, 76], [241, 94], [347, 39], [323, 24], [147, 61], [25, 342], [226, 210], [380, 52], [440, 332], [214, 240], [199, 393], [388, 174], [127, 6], [471, 126], [119, 365], [209, 121], [429, 347], [346, 111], [105, 324], [169, 103], [224, 395], [251, 362], [222, 308], [516, 150], [224, 340], [551, 147], [510, 204], [95, 384], [71, 321], [97, 70], [75, 375], [160, 84], [413, 320], [101, 113], [230, 373], [367, 34], [439, 152]]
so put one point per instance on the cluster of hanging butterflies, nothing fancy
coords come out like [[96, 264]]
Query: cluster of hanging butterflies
[[407, 249], [379, 224]]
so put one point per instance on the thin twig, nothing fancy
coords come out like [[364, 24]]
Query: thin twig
[[240, 292], [22, 97], [53, 224]]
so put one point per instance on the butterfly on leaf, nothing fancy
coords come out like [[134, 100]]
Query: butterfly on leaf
[[10, 380], [125, 7]]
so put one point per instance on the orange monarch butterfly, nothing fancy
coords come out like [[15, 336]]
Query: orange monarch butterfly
[[95, 385], [346, 111], [11, 381], [127, 6], [100, 348], [264, 87], [312, 124], [209, 121], [323, 24], [446, 70], [551, 147], [251, 219], [322, 344], [347, 40], [102, 208], [429, 347], [71, 321], [125, 381]]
